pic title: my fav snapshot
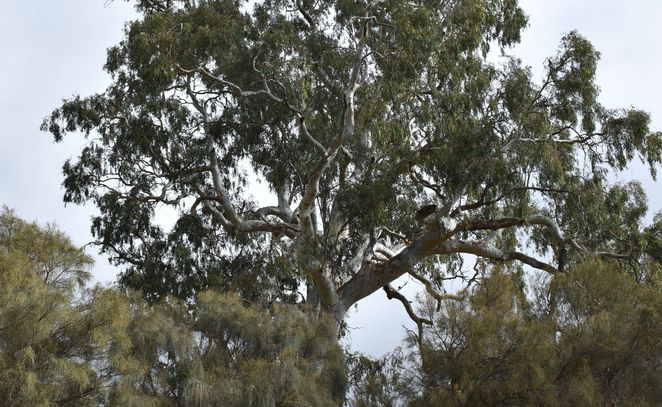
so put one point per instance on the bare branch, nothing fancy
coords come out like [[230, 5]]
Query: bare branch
[[236, 90], [429, 287], [206, 201], [418, 178], [502, 223], [392, 293], [477, 248], [613, 255], [482, 202], [306, 134], [580, 138], [228, 211], [553, 227], [312, 188], [246, 226]]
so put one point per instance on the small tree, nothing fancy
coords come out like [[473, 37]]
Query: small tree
[[54, 340], [229, 353], [586, 338], [63, 344], [388, 141]]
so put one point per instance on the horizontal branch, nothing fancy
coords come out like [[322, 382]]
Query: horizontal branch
[[439, 296], [502, 223], [242, 225], [482, 202], [613, 255], [580, 138], [237, 90], [493, 253]]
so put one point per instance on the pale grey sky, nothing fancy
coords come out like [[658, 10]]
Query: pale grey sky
[[55, 49], [50, 50]]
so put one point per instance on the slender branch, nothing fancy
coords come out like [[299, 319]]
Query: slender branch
[[429, 287], [418, 178], [236, 89], [317, 68], [229, 217], [482, 202], [239, 92], [613, 255], [306, 15], [312, 187], [392, 293], [552, 137], [306, 134], [229, 213], [477, 248]]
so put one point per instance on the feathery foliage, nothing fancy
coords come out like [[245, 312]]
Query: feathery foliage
[[64, 344], [588, 337]]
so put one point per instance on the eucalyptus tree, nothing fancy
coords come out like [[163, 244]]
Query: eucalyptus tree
[[388, 140]]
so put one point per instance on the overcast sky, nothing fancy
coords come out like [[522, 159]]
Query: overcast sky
[[55, 49]]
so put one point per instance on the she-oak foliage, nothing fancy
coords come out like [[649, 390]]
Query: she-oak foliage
[[62, 344], [353, 114], [585, 338]]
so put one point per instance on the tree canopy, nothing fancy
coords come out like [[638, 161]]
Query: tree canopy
[[587, 337], [389, 140]]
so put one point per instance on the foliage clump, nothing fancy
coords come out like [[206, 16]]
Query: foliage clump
[[64, 344], [589, 337]]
